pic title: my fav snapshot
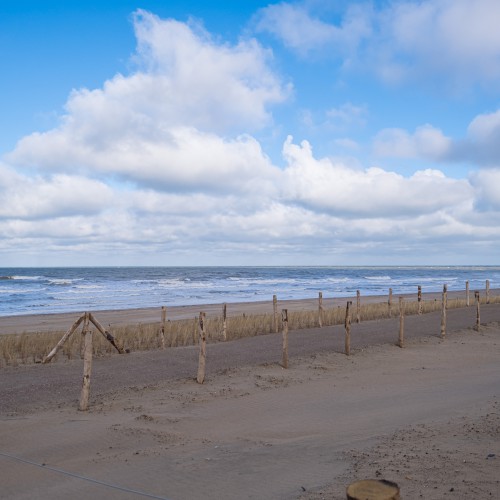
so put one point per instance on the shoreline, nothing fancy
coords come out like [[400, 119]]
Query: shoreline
[[60, 322]]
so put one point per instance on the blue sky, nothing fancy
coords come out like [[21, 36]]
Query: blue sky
[[308, 132]]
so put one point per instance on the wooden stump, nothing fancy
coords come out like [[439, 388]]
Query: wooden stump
[[467, 295], [419, 298], [487, 291], [389, 302], [284, 319], [373, 489]]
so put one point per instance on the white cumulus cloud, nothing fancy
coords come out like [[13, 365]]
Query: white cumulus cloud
[[426, 142], [303, 32], [178, 122], [31, 198], [335, 188], [455, 38], [453, 42], [487, 186]]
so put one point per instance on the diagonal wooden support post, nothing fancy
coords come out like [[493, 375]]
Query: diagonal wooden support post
[[105, 333], [65, 337]]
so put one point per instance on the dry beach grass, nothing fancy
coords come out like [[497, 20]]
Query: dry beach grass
[[32, 347]]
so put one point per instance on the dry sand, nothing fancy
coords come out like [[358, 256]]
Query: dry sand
[[426, 417]]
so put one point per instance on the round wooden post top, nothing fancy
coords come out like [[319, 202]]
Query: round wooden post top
[[373, 489]]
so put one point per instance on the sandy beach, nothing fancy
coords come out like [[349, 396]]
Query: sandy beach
[[425, 416]]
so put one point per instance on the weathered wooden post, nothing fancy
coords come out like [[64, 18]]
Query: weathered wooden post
[[347, 325], [65, 337], [467, 301], [284, 320], [373, 489], [162, 329], [478, 311], [389, 303], [224, 322], [443, 311], [487, 291], [203, 349], [320, 309], [87, 365], [275, 313], [106, 334], [419, 298], [358, 306], [401, 321]]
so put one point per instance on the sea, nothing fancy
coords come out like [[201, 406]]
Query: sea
[[73, 289]]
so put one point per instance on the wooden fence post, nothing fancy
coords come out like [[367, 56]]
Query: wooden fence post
[[284, 320], [401, 321], [358, 306], [419, 298], [478, 311], [389, 303], [87, 365], [320, 309], [224, 322], [275, 313], [443, 311], [467, 301], [347, 325], [203, 349], [162, 329], [487, 291]]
